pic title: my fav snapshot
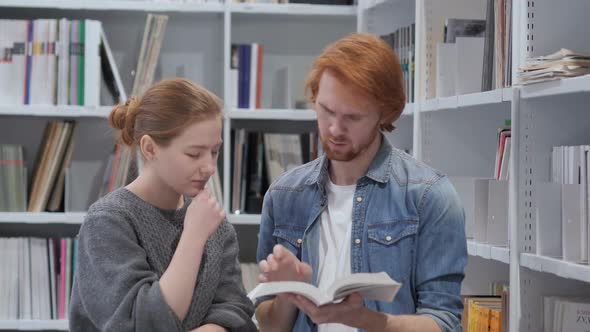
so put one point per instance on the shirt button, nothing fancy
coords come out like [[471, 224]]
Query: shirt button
[[388, 238], [359, 199], [299, 241], [357, 241]]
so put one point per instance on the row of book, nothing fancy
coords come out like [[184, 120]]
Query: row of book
[[36, 278], [48, 186], [260, 158], [501, 167], [565, 314], [487, 313], [13, 178], [475, 54], [403, 42], [51, 61], [485, 200], [246, 71], [562, 206], [124, 163]]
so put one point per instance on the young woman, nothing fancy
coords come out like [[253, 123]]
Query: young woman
[[158, 254]]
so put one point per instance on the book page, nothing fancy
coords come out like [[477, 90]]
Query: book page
[[373, 286], [309, 291]]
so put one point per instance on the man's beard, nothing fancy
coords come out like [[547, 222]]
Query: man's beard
[[346, 155]]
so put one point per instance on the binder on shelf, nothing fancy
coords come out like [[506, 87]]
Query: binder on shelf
[[548, 217], [497, 227], [469, 65], [446, 69], [473, 193], [480, 211], [574, 231]]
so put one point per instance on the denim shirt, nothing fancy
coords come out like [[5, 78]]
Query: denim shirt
[[407, 220]]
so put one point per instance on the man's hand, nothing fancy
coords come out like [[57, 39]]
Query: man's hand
[[282, 265], [349, 312]]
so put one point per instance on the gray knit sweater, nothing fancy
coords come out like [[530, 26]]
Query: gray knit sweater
[[125, 245]]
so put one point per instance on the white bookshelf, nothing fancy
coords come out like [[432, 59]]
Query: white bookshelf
[[272, 114], [292, 9], [120, 5], [56, 111], [34, 325], [75, 218], [187, 7], [487, 251], [557, 88], [556, 266], [468, 101], [244, 219], [542, 115]]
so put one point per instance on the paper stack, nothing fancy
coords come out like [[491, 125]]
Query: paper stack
[[563, 63]]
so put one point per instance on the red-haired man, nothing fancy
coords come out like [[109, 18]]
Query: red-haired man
[[364, 206]]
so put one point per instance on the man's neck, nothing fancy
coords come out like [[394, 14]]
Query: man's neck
[[348, 172]]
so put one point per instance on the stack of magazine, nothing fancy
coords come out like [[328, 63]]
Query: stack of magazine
[[563, 63]]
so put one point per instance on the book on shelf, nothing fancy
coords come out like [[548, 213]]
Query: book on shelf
[[569, 192], [402, 41], [459, 59], [372, 286], [562, 313], [13, 178], [124, 164], [246, 74], [47, 188], [36, 283], [56, 62], [458, 27], [259, 159], [488, 313]]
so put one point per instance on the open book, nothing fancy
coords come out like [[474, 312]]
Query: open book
[[372, 286]]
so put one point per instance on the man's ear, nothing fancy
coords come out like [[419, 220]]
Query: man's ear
[[149, 148]]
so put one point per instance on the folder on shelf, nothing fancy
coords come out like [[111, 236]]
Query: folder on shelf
[[575, 231], [446, 69], [469, 65], [548, 217], [497, 227]]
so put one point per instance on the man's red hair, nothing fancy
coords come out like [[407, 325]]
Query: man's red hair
[[369, 64]]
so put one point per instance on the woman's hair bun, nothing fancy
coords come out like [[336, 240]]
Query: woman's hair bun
[[122, 118]]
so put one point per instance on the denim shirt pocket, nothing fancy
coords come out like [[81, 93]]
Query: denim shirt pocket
[[289, 237], [391, 247]]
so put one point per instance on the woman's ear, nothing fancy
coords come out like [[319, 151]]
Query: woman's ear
[[149, 148]]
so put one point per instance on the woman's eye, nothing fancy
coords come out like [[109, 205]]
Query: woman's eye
[[195, 156]]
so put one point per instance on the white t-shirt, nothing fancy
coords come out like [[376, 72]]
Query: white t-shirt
[[335, 237]]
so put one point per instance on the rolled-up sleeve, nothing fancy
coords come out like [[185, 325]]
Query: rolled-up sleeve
[[441, 256], [114, 288], [231, 307]]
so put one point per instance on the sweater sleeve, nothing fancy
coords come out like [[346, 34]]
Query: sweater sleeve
[[114, 288], [231, 307]]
